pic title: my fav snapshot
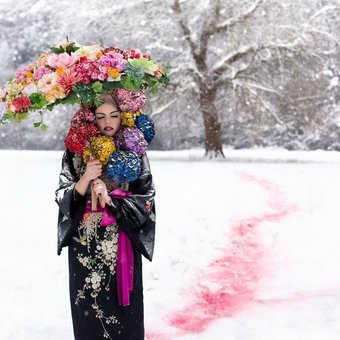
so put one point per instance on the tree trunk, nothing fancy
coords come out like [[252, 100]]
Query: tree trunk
[[213, 142]]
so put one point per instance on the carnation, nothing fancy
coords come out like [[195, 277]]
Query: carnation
[[21, 103]]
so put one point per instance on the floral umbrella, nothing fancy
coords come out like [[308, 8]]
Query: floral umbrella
[[70, 73]]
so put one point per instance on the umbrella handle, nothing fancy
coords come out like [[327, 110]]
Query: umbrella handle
[[94, 197]]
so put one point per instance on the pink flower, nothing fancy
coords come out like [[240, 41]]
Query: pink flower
[[20, 75], [87, 70], [129, 100], [61, 60], [136, 54], [115, 60], [79, 116], [41, 72], [21, 103], [68, 79]]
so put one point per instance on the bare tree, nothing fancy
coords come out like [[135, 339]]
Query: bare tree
[[230, 70]]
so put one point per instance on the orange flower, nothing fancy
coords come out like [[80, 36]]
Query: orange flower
[[59, 71], [113, 72], [29, 74]]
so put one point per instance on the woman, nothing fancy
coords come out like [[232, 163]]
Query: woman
[[105, 243]]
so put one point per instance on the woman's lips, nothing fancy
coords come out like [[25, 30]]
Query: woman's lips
[[108, 128]]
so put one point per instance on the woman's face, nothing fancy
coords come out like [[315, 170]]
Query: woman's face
[[108, 119]]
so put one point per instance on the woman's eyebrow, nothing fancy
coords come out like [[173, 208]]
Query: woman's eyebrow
[[102, 113]]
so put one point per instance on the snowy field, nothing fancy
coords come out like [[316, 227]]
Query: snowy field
[[246, 249]]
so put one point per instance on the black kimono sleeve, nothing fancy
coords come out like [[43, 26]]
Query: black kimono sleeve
[[71, 203], [136, 213]]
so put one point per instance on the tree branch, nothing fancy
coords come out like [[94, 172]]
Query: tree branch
[[234, 20], [185, 29]]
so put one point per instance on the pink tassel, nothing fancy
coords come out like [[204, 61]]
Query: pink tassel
[[124, 269]]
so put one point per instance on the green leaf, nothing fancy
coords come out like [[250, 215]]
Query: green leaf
[[43, 127], [97, 87], [49, 107], [97, 102], [19, 117], [57, 50], [71, 48], [37, 124], [110, 85], [154, 89], [152, 217], [38, 101], [8, 115], [126, 82]]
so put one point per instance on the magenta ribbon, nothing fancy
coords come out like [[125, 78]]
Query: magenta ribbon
[[125, 259]]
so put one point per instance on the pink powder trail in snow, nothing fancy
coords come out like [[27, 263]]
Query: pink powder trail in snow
[[228, 284]]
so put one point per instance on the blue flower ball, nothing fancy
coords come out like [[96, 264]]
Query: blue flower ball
[[123, 166], [147, 126]]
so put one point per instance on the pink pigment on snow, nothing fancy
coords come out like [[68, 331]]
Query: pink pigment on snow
[[229, 283]]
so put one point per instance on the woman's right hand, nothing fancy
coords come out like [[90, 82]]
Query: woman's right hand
[[93, 169]]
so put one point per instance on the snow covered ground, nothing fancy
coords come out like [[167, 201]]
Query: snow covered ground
[[246, 249]]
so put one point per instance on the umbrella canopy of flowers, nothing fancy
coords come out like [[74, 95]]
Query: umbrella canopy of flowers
[[74, 74]]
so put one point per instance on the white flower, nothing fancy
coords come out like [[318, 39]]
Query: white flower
[[95, 278], [29, 89], [90, 52], [47, 83], [2, 93]]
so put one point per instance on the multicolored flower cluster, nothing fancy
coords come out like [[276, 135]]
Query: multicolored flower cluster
[[102, 147], [119, 154], [72, 74]]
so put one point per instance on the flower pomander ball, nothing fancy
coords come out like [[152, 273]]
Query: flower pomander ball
[[123, 166], [78, 135], [129, 100], [147, 126], [81, 115], [131, 139], [102, 146], [129, 118]]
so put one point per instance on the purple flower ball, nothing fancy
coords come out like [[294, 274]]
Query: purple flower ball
[[131, 139]]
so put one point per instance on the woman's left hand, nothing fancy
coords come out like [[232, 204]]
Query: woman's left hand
[[99, 188]]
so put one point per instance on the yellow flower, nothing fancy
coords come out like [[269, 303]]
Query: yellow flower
[[113, 72], [128, 118], [103, 146], [59, 71]]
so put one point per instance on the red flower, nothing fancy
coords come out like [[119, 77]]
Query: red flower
[[77, 137], [22, 103]]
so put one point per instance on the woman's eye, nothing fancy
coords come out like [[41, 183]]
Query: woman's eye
[[112, 116]]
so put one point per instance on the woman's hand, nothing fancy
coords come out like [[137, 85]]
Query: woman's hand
[[93, 169], [100, 189]]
